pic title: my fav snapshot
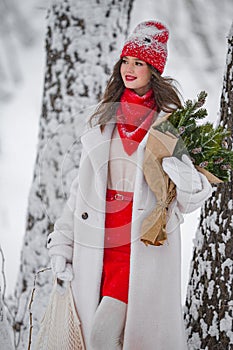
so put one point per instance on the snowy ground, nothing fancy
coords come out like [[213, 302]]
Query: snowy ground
[[19, 129]]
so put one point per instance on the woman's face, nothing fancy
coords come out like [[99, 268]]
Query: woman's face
[[136, 74]]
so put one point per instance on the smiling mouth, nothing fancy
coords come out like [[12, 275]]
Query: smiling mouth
[[130, 78]]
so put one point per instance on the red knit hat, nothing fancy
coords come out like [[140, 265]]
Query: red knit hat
[[148, 42]]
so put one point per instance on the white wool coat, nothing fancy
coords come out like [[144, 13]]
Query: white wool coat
[[154, 317]]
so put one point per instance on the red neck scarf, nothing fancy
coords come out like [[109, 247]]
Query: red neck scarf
[[134, 117]]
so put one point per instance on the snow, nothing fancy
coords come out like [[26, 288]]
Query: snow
[[213, 252], [230, 204], [152, 33], [20, 116], [204, 328], [227, 264], [230, 34], [213, 329], [196, 342], [210, 289], [221, 249], [226, 326], [211, 222]]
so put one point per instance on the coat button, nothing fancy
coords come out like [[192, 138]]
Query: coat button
[[84, 216], [49, 240]]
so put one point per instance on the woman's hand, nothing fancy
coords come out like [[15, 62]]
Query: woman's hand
[[61, 269], [182, 173]]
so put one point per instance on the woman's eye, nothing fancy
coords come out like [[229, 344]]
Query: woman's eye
[[139, 64], [124, 61]]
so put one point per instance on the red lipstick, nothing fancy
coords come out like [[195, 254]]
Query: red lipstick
[[130, 77]]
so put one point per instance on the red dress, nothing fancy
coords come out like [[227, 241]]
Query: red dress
[[116, 263]]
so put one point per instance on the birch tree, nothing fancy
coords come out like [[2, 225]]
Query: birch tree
[[81, 47], [209, 304]]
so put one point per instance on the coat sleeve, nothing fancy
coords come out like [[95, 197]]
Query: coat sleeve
[[190, 201], [60, 241]]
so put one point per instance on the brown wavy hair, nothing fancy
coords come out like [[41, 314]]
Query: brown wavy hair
[[167, 96]]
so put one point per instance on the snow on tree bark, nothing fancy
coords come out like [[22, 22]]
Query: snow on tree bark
[[82, 44], [209, 303]]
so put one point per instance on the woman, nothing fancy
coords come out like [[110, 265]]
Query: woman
[[128, 295]]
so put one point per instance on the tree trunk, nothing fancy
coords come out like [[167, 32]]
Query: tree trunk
[[209, 303], [82, 46]]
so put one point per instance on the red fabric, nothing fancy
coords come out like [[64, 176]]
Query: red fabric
[[116, 262], [148, 42], [134, 117]]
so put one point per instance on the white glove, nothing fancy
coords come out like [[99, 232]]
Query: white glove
[[182, 173], [61, 269]]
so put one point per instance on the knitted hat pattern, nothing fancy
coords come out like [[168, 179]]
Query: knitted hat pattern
[[148, 42]]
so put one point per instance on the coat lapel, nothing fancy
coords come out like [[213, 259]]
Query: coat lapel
[[97, 145], [93, 139]]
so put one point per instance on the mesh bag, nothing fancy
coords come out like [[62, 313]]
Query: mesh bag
[[60, 327]]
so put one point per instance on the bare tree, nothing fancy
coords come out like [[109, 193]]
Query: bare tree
[[209, 304], [5, 338], [6, 332], [81, 46]]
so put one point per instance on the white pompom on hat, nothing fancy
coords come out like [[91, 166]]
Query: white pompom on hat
[[148, 42]]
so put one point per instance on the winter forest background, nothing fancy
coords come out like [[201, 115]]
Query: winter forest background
[[196, 58]]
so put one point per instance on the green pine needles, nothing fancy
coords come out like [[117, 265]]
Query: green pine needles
[[207, 146]]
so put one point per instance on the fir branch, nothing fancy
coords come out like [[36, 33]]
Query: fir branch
[[207, 146]]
